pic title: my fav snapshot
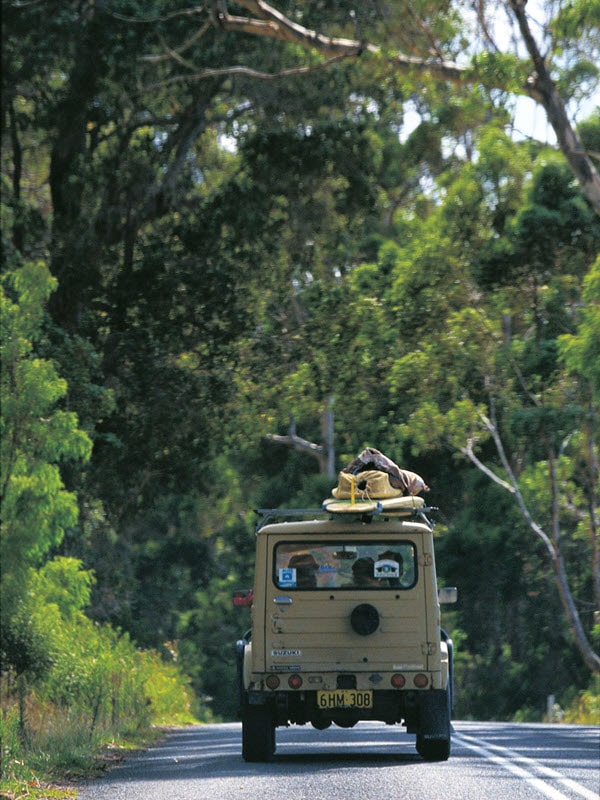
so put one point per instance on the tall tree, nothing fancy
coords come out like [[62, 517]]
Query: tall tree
[[508, 390], [241, 228]]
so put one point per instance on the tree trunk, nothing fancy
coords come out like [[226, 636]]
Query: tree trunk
[[543, 90], [574, 621], [328, 439], [65, 179]]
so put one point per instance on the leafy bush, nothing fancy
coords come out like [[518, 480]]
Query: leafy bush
[[585, 708], [167, 692]]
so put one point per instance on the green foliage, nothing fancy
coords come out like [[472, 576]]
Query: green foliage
[[581, 352], [62, 583], [582, 16], [499, 70], [36, 438], [89, 680], [507, 612], [584, 709], [167, 691], [96, 686]]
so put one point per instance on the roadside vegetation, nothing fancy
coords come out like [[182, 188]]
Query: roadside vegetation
[[70, 686], [89, 696]]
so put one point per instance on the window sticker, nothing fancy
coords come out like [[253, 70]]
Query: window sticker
[[287, 578], [386, 568], [328, 567]]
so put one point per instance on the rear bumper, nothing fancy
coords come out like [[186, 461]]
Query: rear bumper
[[408, 707]]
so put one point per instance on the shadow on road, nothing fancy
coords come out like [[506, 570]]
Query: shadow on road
[[212, 751]]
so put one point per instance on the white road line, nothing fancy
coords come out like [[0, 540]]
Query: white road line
[[506, 758]]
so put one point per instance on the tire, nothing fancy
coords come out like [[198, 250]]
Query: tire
[[433, 738], [258, 734], [433, 749]]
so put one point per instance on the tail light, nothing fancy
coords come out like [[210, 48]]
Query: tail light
[[294, 681], [243, 597], [420, 680]]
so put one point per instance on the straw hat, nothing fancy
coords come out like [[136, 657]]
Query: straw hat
[[369, 492], [369, 485]]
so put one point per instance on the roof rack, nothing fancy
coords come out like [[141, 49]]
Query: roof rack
[[267, 515]]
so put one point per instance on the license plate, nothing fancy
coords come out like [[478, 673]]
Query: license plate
[[345, 698]]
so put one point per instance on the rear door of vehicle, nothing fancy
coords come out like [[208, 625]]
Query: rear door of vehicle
[[314, 630]]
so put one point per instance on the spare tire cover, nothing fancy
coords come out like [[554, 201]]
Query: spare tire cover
[[364, 619]]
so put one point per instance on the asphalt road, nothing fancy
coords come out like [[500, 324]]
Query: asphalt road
[[369, 762]]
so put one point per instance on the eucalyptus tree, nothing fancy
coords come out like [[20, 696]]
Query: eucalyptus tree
[[472, 335], [500, 379], [220, 180], [548, 53]]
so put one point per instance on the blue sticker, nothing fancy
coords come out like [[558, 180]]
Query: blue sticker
[[328, 567], [287, 577]]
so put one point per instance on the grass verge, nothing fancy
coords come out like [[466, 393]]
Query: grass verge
[[55, 772]]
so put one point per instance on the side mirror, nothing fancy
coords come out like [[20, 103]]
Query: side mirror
[[449, 594], [243, 598]]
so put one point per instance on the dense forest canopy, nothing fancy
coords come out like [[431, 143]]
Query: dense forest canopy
[[431, 39], [219, 229]]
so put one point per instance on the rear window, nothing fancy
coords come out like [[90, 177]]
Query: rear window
[[334, 565]]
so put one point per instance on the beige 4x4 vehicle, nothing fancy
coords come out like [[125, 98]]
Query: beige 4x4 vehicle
[[345, 627]]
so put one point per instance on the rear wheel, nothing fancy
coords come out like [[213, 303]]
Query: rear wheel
[[433, 749], [433, 738], [258, 733]]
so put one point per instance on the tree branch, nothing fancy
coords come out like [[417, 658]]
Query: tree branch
[[470, 454], [540, 86], [325, 453], [249, 72], [553, 547], [273, 23], [264, 20], [492, 428], [291, 439]]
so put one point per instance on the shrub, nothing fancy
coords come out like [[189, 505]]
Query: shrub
[[585, 708]]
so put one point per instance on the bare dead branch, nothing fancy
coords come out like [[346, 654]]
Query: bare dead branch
[[492, 428], [469, 452], [293, 32], [553, 546]]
